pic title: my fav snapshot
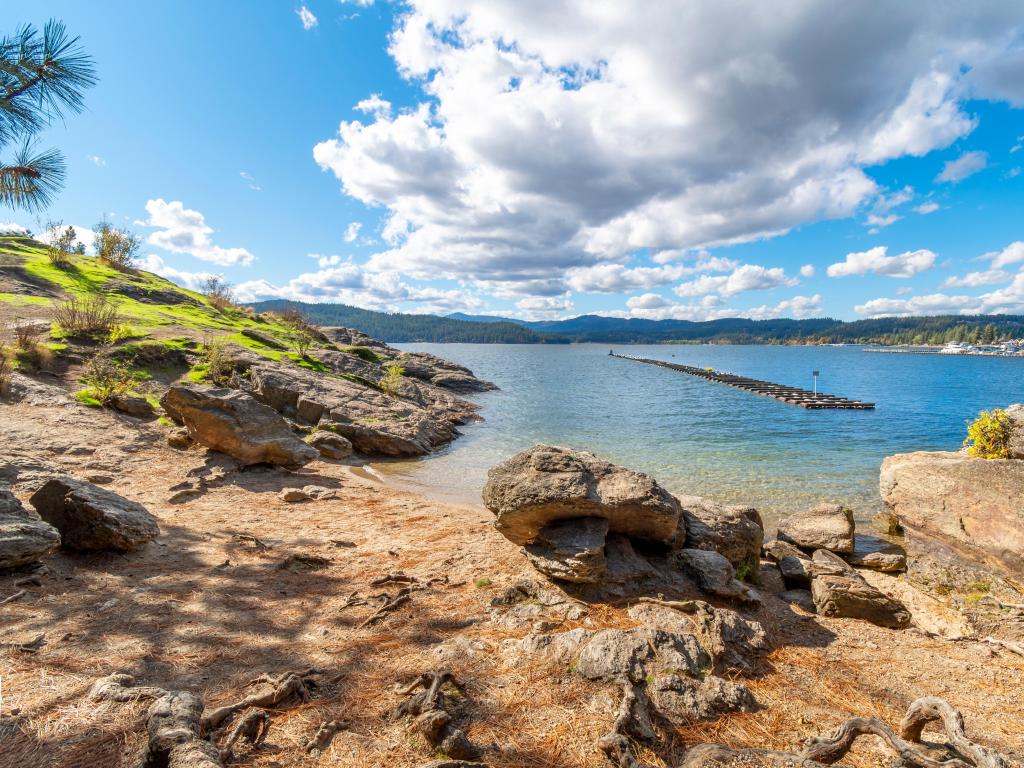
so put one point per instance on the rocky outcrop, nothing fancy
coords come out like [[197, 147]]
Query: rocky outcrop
[[1015, 413], [442, 373], [24, 538], [886, 562], [839, 591], [132, 405], [234, 423], [546, 483], [411, 422], [331, 446], [826, 526], [93, 518], [571, 550], [794, 564], [975, 506], [734, 531], [713, 573]]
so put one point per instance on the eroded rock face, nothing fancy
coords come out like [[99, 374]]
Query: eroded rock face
[[93, 518], [794, 564], [839, 591], [734, 531], [975, 506], [1015, 413], [713, 574], [826, 526], [683, 699], [886, 562], [547, 483], [232, 422], [571, 550], [442, 373], [24, 538]]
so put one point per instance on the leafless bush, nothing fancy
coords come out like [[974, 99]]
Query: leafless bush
[[106, 378], [90, 315], [303, 333], [6, 369], [115, 247], [28, 352], [60, 243], [218, 292]]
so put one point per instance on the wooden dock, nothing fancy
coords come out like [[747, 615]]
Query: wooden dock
[[804, 398]]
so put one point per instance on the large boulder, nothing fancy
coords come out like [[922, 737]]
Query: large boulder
[[839, 591], [794, 564], [571, 550], [975, 506], [826, 526], [546, 483], [1015, 413], [24, 538], [93, 518], [331, 446], [442, 373], [234, 423], [734, 531], [713, 574]]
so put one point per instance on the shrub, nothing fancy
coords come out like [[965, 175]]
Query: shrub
[[217, 363], [392, 378], [106, 379], [363, 353], [988, 436], [115, 247], [91, 315], [218, 292], [119, 333], [6, 370], [61, 243], [303, 333]]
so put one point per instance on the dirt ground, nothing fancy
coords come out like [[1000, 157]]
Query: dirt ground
[[214, 602]]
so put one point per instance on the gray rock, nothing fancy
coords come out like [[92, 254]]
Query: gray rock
[[616, 654], [1015, 413], [548, 483], [713, 574], [794, 565], [801, 597], [263, 338], [826, 526], [442, 373], [684, 700], [974, 506], [234, 423], [92, 518], [24, 538], [624, 563], [571, 550], [839, 591], [734, 531], [306, 493], [886, 562], [330, 445]]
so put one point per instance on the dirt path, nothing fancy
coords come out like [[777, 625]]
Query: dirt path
[[215, 601]]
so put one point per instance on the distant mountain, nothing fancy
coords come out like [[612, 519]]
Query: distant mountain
[[397, 328], [615, 330]]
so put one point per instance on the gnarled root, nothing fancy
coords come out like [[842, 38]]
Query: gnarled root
[[275, 690], [325, 733], [425, 703], [633, 719], [253, 726], [933, 709]]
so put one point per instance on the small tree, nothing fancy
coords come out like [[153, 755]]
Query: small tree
[[115, 247], [393, 374], [218, 291], [302, 332], [988, 436], [60, 243]]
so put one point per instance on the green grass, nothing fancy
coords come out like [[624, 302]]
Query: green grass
[[85, 397], [364, 353]]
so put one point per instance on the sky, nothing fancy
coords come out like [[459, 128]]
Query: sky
[[551, 158]]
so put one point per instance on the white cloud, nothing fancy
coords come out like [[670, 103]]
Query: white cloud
[[1011, 254], [191, 280], [250, 181], [932, 304], [876, 260], [13, 228], [96, 160], [1013, 173], [798, 307], [808, 270], [182, 230], [352, 231], [537, 150], [306, 17], [83, 235], [647, 301], [975, 279], [748, 277], [618, 278], [374, 105], [967, 164], [544, 307], [926, 208], [875, 220]]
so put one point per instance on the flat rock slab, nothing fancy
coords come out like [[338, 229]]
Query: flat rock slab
[[826, 526], [92, 518], [840, 592], [234, 423], [547, 483], [24, 538]]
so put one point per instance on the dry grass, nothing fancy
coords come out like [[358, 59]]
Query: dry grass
[[183, 619]]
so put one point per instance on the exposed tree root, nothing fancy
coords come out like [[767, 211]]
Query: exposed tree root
[[16, 596], [325, 733], [256, 544], [29, 646], [394, 578], [403, 596], [633, 719], [933, 709], [425, 703], [181, 737]]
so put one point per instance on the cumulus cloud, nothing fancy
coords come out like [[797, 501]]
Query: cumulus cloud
[[352, 231], [647, 301], [975, 279], [926, 208], [13, 228], [618, 278], [798, 307], [536, 151], [1011, 254], [808, 270], [748, 277], [968, 164], [182, 230], [191, 280], [84, 235], [374, 105], [306, 16], [96, 160], [1006, 300], [876, 260], [544, 307]]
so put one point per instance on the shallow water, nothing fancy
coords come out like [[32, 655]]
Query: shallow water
[[697, 437]]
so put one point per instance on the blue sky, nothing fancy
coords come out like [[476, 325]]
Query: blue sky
[[547, 159]]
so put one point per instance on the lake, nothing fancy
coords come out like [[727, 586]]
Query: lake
[[697, 437]]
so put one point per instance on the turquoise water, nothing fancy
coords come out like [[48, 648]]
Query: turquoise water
[[701, 438]]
